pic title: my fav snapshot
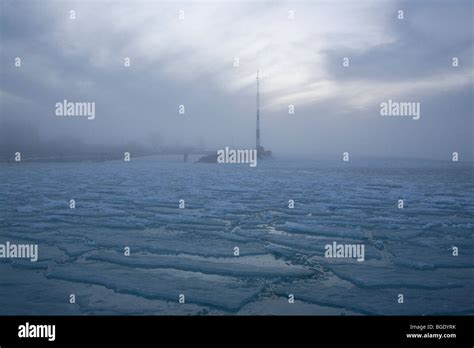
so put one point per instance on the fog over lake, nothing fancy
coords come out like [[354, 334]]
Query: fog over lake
[[140, 62]]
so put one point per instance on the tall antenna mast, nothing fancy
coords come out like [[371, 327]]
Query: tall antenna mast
[[258, 116]]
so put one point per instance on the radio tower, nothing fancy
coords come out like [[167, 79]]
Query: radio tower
[[258, 117]]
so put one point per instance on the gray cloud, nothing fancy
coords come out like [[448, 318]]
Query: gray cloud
[[190, 62]]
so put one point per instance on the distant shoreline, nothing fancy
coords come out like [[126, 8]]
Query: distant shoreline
[[193, 157]]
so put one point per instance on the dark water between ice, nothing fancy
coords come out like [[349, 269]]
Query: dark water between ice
[[190, 251]]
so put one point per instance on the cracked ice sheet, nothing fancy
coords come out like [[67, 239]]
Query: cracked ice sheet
[[378, 275], [28, 292], [161, 240], [46, 251], [424, 255], [322, 229], [262, 266], [34, 294], [98, 300], [382, 301], [68, 245], [315, 245], [228, 293], [278, 305]]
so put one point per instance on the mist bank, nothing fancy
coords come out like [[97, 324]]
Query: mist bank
[[26, 139]]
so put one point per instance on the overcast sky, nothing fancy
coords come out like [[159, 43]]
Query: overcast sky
[[190, 61]]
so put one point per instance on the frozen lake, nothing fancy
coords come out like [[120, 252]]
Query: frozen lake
[[191, 251]]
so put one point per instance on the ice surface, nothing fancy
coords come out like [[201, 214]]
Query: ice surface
[[383, 301], [247, 266], [190, 250], [165, 284]]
